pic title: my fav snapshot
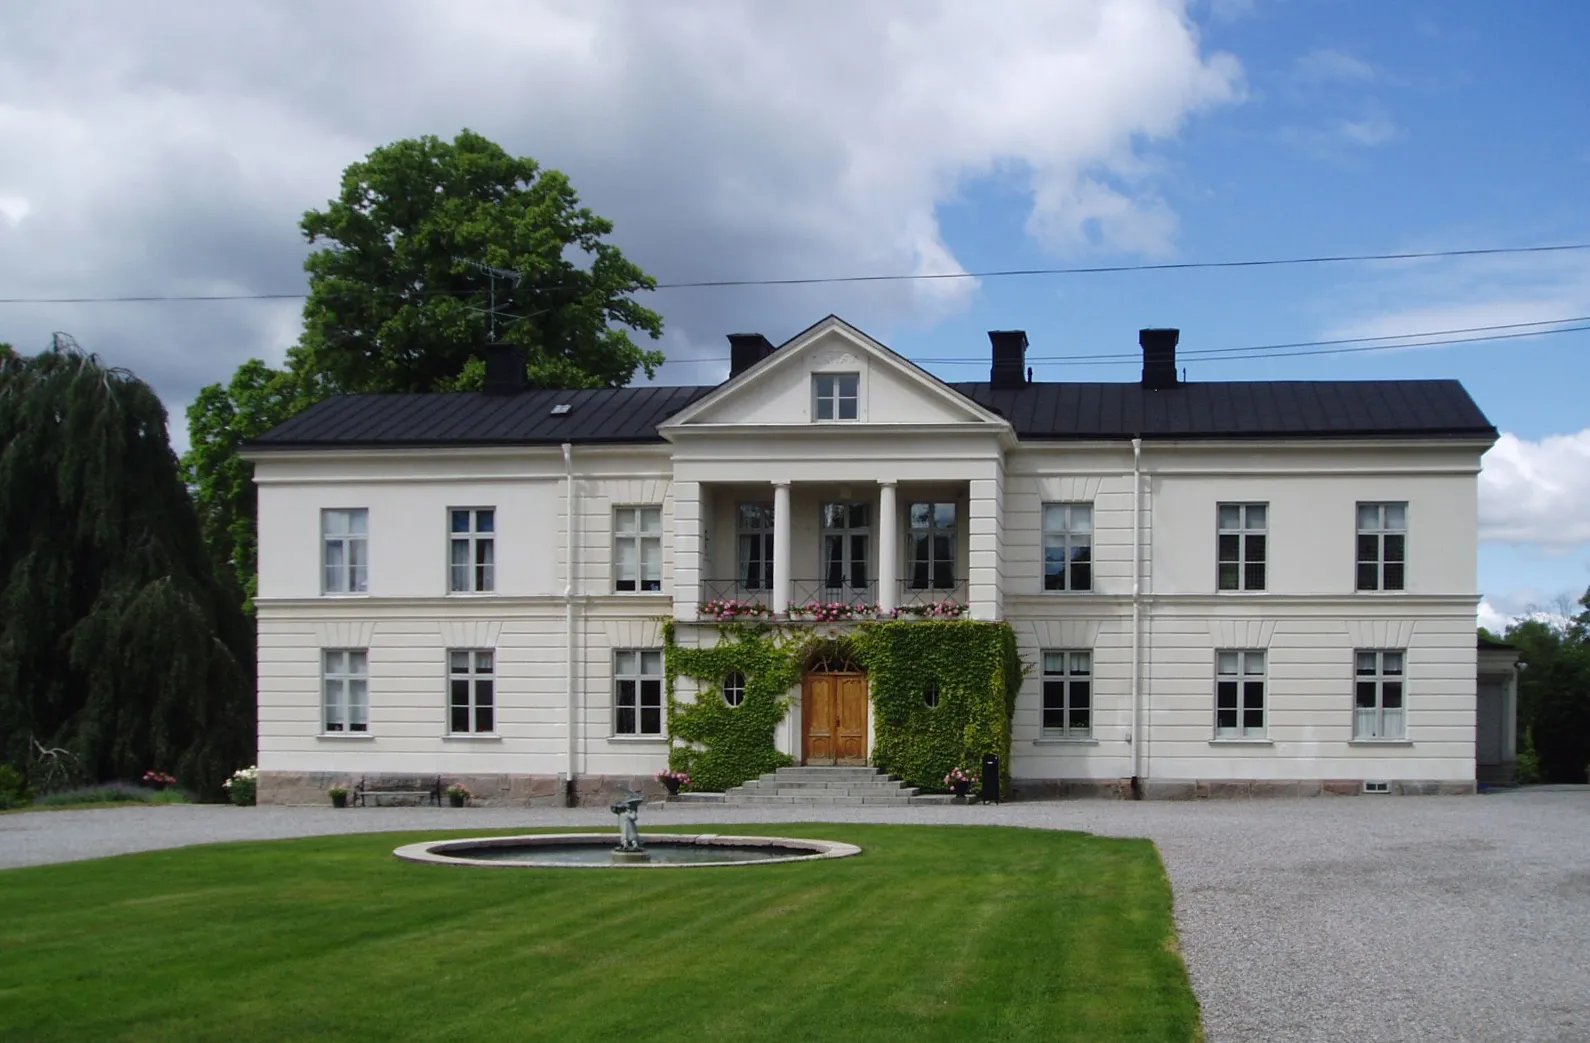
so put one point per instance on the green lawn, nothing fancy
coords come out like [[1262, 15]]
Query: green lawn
[[933, 933]]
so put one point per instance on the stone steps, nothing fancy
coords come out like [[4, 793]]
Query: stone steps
[[808, 786]]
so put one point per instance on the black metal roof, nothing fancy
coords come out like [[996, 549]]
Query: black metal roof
[[1038, 412]]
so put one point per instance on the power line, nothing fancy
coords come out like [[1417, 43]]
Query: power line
[[832, 279], [1270, 351]]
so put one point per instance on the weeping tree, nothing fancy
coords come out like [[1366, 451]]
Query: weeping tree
[[119, 642]]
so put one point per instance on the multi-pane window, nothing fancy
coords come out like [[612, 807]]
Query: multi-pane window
[[472, 546], [1067, 546], [756, 546], [345, 555], [1377, 695], [1242, 545], [930, 546], [847, 536], [638, 692], [637, 548], [345, 682], [734, 688], [1239, 695], [1068, 695], [1382, 545], [471, 690], [835, 396]]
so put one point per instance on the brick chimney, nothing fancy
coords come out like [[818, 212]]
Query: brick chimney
[[1009, 369], [504, 369], [746, 350], [1159, 358]]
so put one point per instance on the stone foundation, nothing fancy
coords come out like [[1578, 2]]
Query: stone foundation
[[1220, 789], [521, 791]]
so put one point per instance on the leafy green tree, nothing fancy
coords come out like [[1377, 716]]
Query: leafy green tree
[[398, 302], [118, 642], [1554, 692]]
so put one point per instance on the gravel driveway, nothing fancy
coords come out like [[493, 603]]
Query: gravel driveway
[[1355, 919]]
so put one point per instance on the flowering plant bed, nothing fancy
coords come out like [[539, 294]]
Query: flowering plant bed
[[159, 780], [960, 781], [241, 787], [945, 609], [458, 795], [732, 609], [833, 611]]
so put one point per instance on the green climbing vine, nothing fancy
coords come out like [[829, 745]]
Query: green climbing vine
[[943, 693], [973, 670]]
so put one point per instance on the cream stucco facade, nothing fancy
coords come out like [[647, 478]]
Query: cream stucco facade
[[1153, 619]]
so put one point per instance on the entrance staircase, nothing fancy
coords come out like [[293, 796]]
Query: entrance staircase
[[823, 787]]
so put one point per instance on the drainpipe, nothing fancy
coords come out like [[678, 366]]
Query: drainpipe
[[1137, 638], [569, 795]]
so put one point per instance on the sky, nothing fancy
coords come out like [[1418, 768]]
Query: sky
[[171, 147]]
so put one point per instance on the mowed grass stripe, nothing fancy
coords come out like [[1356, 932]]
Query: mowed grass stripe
[[934, 933]]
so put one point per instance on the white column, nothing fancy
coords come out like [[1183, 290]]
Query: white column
[[688, 531], [982, 557], [781, 577], [888, 548]]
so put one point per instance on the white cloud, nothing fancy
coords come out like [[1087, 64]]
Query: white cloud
[[1374, 129], [730, 139], [14, 208], [1537, 492], [1327, 65]]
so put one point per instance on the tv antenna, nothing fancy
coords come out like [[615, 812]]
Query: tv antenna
[[510, 276]]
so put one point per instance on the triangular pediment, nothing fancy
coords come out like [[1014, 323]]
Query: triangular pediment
[[779, 390]]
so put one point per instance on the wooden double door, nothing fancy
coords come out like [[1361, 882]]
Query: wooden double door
[[834, 718]]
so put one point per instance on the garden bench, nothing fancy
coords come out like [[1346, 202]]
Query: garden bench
[[362, 794]]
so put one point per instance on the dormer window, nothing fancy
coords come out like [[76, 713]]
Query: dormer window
[[835, 396]]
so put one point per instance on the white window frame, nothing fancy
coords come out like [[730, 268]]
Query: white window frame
[[476, 670], [345, 531], [641, 670], [754, 543], [1072, 667], [1252, 520], [1375, 669], [830, 397], [847, 534], [931, 532], [472, 575], [1380, 528], [345, 691], [638, 527], [734, 688], [1235, 671], [1068, 528]]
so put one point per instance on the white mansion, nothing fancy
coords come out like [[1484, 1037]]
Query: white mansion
[[1262, 587]]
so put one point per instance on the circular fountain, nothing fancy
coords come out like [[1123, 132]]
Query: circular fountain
[[596, 851]]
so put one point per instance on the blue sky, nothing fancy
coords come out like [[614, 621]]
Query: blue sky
[[171, 148]]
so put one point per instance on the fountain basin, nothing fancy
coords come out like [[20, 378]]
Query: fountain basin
[[595, 851]]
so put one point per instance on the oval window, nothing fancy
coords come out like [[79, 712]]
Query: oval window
[[734, 689], [930, 694]]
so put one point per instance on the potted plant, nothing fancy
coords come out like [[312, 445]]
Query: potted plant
[[339, 797], [673, 780], [458, 794], [960, 781], [159, 780]]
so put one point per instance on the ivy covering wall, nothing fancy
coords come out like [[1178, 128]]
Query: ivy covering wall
[[970, 672]]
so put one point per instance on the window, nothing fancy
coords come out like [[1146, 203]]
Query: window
[[638, 695], [847, 534], [1067, 546], [930, 695], [346, 683], [344, 539], [1382, 545], [1239, 695], [930, 546], [835, 396], [1068, 695], [1377, 696], [472, 550], [734, 689], [471, 691], [1242, 531], [637, 548], [756, 546]]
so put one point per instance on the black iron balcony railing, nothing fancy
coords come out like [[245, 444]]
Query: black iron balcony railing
[[820, 601]]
